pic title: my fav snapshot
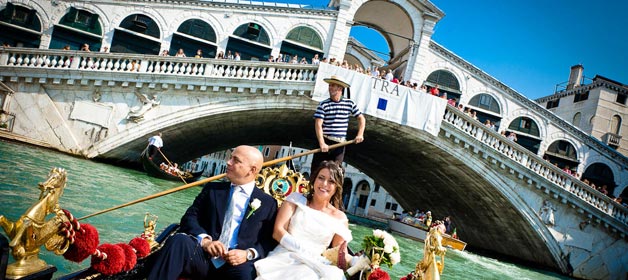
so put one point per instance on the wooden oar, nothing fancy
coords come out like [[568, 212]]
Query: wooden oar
[[207, 180], [170, 164]]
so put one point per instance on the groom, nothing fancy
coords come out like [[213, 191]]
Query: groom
[[226, 229]]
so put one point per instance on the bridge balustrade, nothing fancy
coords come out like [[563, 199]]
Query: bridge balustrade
[[152, 64], [538, 165]]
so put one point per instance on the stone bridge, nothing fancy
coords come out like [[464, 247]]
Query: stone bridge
[[105, 106]]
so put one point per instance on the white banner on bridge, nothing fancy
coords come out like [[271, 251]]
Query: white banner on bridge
[[386, 100]]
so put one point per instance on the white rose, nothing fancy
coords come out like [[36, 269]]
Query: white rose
[[256, 204], [388, 249], [378, 233], [395, 258]]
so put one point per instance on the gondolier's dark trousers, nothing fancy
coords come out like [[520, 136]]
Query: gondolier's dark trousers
[[152, 151], [337, 155]]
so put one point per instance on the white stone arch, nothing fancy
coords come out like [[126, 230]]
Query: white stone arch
[[447, 66], [558, 136], [150, 12], [206, 17], [597, 158], [501, 101], [46, 22], [524, 112], [414, 17], [268, 26], [318, 32], [103, 17]]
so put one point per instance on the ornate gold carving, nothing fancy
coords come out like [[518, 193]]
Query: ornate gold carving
[[280, 182], [150, 222], [32, 230]]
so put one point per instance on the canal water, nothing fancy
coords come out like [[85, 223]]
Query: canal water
[[95, 186]]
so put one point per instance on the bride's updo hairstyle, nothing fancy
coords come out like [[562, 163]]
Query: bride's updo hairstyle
[[337, 174]]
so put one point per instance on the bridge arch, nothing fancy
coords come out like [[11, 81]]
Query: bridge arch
[[489, 107], [304, 41], [127, 39], [35, 26], [563, 152], [600, 174], [154, 15], [455, 72], [73, 28], [193, 34]]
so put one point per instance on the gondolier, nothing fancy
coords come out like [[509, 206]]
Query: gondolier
[[154, 144], [331, 121]]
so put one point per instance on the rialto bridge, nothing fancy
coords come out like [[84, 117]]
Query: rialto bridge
[[105, 105]]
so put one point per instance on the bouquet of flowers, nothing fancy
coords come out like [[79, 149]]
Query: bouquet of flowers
[[381, 248]]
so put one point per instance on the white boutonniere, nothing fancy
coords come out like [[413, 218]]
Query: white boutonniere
[[254, 206]]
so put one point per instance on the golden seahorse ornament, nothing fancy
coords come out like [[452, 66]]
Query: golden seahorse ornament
[[32, 230]]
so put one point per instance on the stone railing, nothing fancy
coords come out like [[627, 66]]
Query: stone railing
[[152, 64], [533, 162]]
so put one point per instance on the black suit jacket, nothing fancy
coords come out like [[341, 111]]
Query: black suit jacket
[[208, 212]]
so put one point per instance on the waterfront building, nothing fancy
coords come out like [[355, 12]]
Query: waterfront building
[[597, 106]]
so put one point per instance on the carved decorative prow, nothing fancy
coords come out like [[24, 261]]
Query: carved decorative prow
[[32, 230]]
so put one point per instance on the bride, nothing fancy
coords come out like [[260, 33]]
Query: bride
[[305, 227]]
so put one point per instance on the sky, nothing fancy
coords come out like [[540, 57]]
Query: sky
[[529, 45]]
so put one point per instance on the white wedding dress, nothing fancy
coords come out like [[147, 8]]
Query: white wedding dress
[[315, 231]]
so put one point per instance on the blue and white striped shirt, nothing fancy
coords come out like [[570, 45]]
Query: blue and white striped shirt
[[336, 115]]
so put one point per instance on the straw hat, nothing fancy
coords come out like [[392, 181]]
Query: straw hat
[[336, 80]]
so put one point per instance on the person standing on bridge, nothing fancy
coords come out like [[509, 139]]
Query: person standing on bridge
[[331, 121], [154, 144]]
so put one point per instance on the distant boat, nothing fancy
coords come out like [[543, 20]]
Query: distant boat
[[153, 170], [420, 234]]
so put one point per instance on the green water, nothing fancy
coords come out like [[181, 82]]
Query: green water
[[95, 186]]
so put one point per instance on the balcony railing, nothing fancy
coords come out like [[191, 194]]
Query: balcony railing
[[153, 64], [533, 162], [612, 139]]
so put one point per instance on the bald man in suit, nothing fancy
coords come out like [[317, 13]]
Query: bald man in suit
[[226, 229]]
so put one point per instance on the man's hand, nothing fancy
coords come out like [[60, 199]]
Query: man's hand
[[359, 139], [324, 148], [214, 248], [235, 257]]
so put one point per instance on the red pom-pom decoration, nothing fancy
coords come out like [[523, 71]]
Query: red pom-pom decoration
[[130, 259], [379, 274], [141, 246], [109, 259], [85, 243]]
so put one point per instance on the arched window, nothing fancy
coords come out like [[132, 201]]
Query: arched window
[[193, 35], [530, 139], [21, 26], [563, 154], [306, 36], [251, 41], [77, 27], [486, 102], [615, 124], [525, 125], [600, 174], [362, 193], [447, 83], [129, 37], [576, 119], [486, 108], [444, 79], [346, 191], [303, 42]]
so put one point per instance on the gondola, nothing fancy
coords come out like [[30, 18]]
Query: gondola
[[153, 169], [55, 233]]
